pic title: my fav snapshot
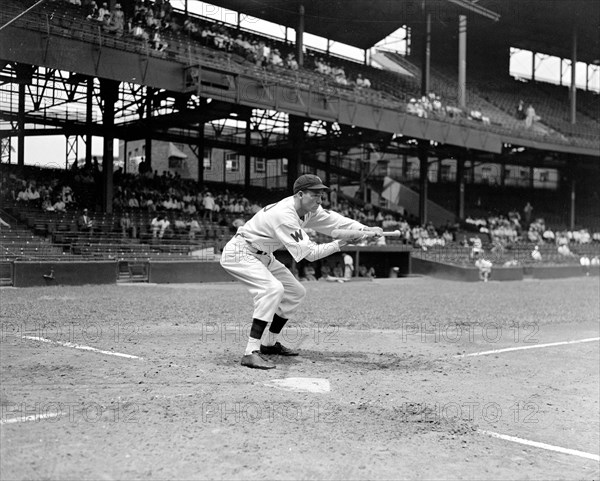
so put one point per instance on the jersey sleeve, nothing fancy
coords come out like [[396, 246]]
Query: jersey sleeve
[[299, 245], [324, 221]]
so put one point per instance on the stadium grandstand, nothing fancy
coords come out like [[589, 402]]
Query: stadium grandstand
[[216, 119]]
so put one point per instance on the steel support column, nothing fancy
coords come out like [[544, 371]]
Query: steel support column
[[200, 144], [328, 153], [573, 86], [300, 36], [247, 156], [296, 134], [426, 54], [88, 121], [5, 150], [460, 184], [21, 126], [462, 61], [423, 180], [72, 149], [109, 92], [572, 210], [148, 143]]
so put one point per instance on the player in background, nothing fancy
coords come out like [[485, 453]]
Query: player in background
[[248, 257]]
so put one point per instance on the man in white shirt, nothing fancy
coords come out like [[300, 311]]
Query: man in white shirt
[[208, 203], [159, 225], [248, 257]]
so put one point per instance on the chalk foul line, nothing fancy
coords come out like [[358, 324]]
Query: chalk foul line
[[549, 447], [33, 417], [533, 346], [81, 347]]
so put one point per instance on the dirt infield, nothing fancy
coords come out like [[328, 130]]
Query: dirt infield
[[163, 396]]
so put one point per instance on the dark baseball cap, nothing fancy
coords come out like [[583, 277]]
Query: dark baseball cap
[[307, 182]]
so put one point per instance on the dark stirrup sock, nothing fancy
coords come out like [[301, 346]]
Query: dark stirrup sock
[[277, 324], [258, 327], [256, 332]]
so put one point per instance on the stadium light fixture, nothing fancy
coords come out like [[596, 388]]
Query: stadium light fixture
[[473, 6]]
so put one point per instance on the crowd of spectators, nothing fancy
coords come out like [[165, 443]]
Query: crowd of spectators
[[151, 20], [433, 106], [511, 231], [187, 206]]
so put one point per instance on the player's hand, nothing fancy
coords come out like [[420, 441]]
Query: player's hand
[[357, 239]]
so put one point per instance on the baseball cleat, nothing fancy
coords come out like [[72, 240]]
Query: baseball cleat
[[278, 349], [256, 361]]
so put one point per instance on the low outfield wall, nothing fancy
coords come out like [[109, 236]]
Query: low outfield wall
[[387, 262], [444, 271], [29, 274], [471, 274], [560, 272], [187, 272]]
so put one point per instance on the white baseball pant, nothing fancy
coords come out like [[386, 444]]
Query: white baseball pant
[[273, 286]]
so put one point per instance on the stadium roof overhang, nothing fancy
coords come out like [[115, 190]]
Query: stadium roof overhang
[[540, 25]]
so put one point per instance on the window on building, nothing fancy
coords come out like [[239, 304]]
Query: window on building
[[446, 172], [207, 160], [284, 166], [486, 175], [176, 163], [232, 162], [259, 165]]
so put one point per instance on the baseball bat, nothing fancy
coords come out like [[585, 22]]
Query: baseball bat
[[353, 233]]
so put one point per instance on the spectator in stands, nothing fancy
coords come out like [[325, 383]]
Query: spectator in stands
[[520, 113], [59, 205], [159, 225], [563, 250], [309, 274], [275, 59], [527, 210], [22, 195], [91, 13], [116, 24], [531, 117], [536, 255], [47, 204], [190, 208], [477, 249], [208, 204], [128, 229], [364, 271], [3, 223], [85, 223], [133, 202], [179, 226], [348, 266], [362, 82], [291, 62], [67, 195], [157, 41], [548, 236], [194, 227], [585, 263]]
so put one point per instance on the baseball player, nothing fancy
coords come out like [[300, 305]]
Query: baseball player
[[248, 257]]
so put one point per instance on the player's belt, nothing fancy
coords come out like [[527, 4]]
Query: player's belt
[[251, 248]]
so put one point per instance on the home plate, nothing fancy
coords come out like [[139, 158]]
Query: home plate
[[300, 384]]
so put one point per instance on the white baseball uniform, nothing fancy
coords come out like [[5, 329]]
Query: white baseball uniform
[[248, 256]]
